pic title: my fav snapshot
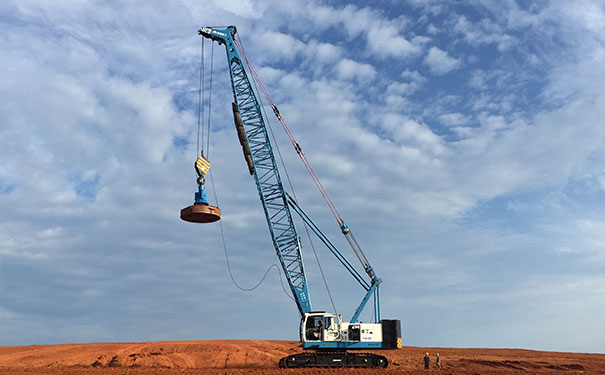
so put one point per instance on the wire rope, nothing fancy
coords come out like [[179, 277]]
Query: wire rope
[[199, 104], [229, 263], [203, 93], [210, 101]]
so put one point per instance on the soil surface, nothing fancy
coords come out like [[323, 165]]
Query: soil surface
[[261, 357]]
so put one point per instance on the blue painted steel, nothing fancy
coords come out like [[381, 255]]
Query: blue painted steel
[[371, 289], [374, 289], [266, 174], [200, 195], [342, 345], [341, 258]]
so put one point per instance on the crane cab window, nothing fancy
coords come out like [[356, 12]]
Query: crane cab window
[[314, 328], [354, 332]]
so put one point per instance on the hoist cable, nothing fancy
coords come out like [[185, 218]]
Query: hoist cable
[[199, 105], [227, 255], [210, 100], [299, 150], [275, 143], [203, 92]]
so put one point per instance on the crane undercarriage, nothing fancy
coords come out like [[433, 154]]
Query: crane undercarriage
[[333, 359]]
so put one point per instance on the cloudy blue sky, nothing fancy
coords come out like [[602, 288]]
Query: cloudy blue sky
[[462, 142]]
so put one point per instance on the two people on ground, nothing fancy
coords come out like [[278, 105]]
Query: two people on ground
[[427, 361]]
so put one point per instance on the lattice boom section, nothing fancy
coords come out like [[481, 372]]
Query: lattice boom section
[[268, 181]]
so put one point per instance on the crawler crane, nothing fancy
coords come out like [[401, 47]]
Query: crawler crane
[[327, 339]]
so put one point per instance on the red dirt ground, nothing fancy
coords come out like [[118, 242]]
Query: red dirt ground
[[261, 357]]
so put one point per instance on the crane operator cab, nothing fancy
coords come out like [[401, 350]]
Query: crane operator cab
[[324, 330], [320, 326]]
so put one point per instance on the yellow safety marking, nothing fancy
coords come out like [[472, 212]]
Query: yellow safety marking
[[202, 165]]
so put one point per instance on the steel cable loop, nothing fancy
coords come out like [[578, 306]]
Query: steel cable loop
[[227, 255]]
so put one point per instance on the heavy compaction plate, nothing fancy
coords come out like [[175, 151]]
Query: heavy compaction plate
[[201, 213]]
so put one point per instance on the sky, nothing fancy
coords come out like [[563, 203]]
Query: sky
[[461, 141]]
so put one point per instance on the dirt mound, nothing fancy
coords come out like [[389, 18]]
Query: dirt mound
[[261, 357], [182, 354]]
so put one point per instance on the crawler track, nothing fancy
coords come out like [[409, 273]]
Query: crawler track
[[334, 359]]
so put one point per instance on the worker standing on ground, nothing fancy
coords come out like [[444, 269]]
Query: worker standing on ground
[[427, 361], [438, 361]]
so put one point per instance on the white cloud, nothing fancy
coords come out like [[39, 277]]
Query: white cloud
[[385, 41], [349, 69], [383, 36], [440, 62], [325, 52], [589, 14], [409, 132], [594, 237], [570, 81], [602, 182], [277, 46], [240, 8], [397, 89], [413, 76], [401, 88], [454, 119], [483, 32]]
